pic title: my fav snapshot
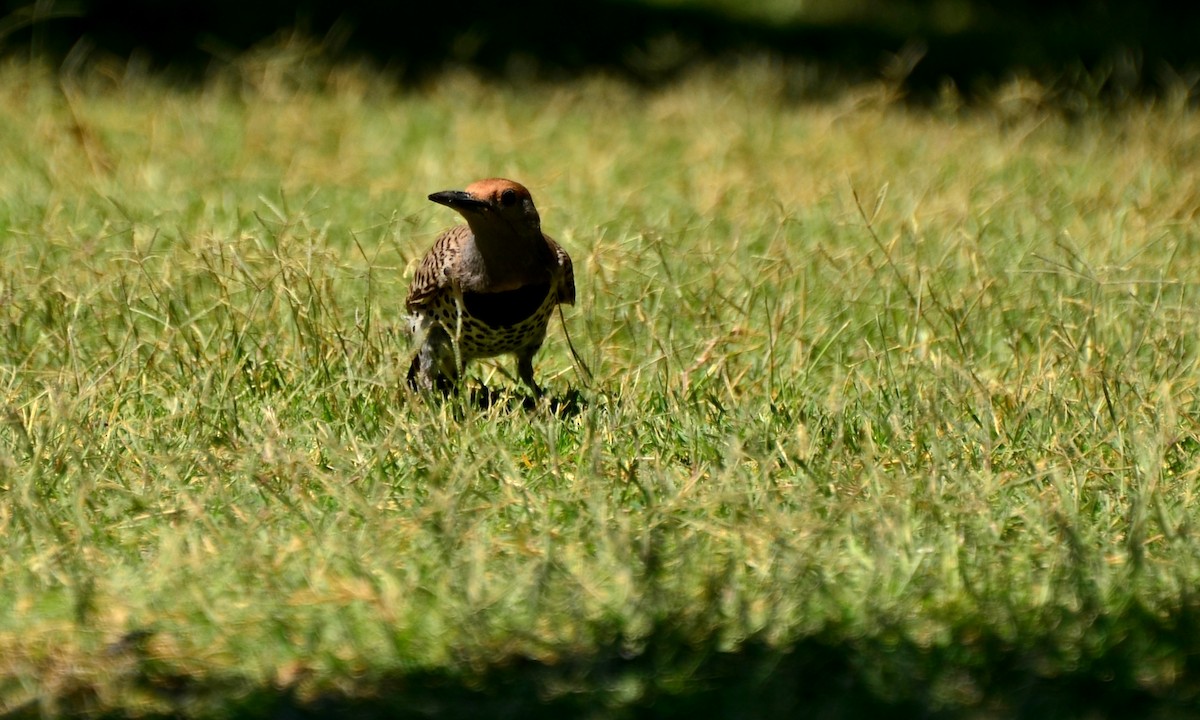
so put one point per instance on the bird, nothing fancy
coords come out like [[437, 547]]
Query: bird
[[486, 287]]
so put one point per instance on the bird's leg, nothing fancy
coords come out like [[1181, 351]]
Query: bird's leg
[[418, 373], [525, 369]]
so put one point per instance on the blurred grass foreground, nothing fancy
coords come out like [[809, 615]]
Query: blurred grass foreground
[[895, 405]]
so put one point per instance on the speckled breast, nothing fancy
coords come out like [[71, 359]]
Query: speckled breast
[[496, 323]]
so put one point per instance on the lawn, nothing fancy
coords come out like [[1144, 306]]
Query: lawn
[[894, 409]]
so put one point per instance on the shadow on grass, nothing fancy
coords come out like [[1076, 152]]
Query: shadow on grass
[[568, 404], [481, 397], [1121, 45], [829, 675]]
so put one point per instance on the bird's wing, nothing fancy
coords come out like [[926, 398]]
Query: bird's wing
[[566, 283], [432, 274]]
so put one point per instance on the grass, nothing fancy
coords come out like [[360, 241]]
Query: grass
[[894, 410]]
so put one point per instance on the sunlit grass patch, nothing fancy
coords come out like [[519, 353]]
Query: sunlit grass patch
[[915, 385]]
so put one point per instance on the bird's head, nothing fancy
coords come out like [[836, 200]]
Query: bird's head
[[494, 203]]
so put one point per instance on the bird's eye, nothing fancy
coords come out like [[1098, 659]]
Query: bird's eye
[[508, 197]]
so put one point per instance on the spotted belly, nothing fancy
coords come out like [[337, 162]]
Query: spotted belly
[[498, 323]]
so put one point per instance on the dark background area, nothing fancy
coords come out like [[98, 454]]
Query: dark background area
[[1103, 46]]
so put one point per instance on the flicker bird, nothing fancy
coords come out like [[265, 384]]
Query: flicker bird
[[486, 288]]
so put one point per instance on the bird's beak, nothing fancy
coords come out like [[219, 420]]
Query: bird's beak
[[458, 199]]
